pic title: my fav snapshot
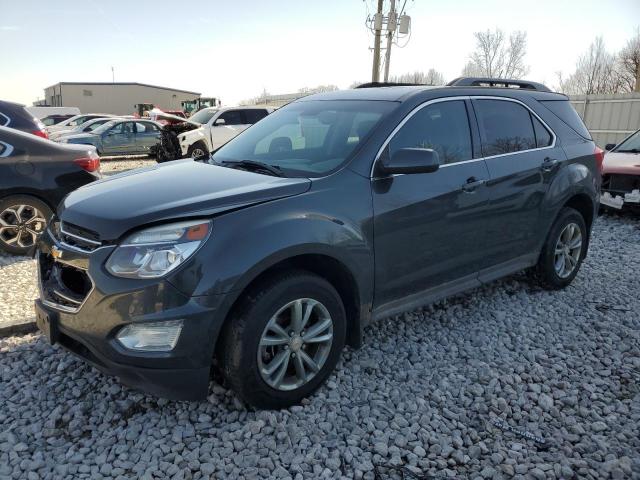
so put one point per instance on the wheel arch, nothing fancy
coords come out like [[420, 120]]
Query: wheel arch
[[326, 266]]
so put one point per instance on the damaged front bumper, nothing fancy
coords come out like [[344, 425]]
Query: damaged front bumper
[[619, 191]]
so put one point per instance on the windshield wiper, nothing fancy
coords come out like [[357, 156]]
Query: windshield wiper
[[631, 150], [255, 166]]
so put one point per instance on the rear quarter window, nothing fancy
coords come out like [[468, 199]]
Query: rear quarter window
[[565, 112]]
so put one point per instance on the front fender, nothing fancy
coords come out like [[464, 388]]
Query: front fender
[[334, 222], [192, 136]]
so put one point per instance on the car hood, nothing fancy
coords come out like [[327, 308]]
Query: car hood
[[174, 190], [622, 163]]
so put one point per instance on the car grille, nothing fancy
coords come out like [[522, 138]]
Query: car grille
[[620, 184], [62, 286], [75, 237]]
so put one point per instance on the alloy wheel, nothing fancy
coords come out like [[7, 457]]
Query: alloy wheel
[[20, 225], [197, 153], [295, 344], [568, 250]]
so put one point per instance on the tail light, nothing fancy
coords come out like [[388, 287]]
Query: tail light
[[40, 133], [599, 154], [90, 163]]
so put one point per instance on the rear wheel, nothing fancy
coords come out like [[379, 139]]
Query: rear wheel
[[563, 251], [22, 220], [284, 341]]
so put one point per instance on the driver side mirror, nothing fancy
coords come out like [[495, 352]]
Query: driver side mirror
[[219, 122], [410, 160], [609, 146]]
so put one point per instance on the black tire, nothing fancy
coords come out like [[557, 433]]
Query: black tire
[[198, 146], [32, 204], [241, 337], [545, 271]]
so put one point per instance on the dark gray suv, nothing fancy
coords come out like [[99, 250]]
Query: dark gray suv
[[334, 211]]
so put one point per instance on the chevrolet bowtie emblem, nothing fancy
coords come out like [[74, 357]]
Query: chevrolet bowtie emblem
[[56, 253]]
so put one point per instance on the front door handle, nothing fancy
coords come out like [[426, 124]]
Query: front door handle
[[471, 184], [548, 164]]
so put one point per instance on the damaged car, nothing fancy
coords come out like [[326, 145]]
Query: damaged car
[[205, 131], [621, 174]]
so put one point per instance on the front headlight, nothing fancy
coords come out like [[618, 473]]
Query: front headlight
[[154, 252]]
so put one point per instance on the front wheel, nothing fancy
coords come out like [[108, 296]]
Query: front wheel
[[563, 251], [284, 341], [22, 220], [198, 150]]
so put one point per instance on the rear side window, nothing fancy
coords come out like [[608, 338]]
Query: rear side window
[[252, 116], [506, 127], [543, 137], [565, 112], [443, 127]]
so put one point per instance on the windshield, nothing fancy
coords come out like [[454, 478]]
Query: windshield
[[309, 138], [203, 116], [631, 144]]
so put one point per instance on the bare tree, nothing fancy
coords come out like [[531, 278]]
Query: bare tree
[[318, 89], [629, 64], [431, 77], [497, 56], [596, 72]]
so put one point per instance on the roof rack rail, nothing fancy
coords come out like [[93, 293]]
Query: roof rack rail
[[497, 82], [391, 84]]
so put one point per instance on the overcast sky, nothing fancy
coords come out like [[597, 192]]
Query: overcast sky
[[235, 49]]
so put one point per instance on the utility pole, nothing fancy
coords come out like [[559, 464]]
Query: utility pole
[[113, 76], [392, 23], [637, 89], [377, 25]]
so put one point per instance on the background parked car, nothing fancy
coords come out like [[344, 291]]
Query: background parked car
[[55, 119], [120, 137], [75, 121], [15, 115], [621, 173], [218, 126], [86, 127], [35, 175]]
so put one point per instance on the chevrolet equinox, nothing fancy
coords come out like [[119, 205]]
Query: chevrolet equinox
[[270, 256]]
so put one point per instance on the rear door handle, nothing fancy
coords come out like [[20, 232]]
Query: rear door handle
[[548, 164], [471, 184]]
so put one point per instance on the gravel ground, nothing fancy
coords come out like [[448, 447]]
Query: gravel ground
[[427, 391], [17, 274]]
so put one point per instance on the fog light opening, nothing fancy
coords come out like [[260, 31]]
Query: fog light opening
[[151, 337]]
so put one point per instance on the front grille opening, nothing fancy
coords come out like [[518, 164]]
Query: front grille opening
[[81, 232], [75, 281], [620, 184], [62, 284]]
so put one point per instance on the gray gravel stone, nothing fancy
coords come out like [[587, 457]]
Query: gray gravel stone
[[422, 392]]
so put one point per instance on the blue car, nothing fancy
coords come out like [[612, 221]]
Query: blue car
[[120, 137]]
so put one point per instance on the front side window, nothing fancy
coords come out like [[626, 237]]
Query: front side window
[[231, 117], [630, 145], [443, 127], [506, 127], [307, 138]]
